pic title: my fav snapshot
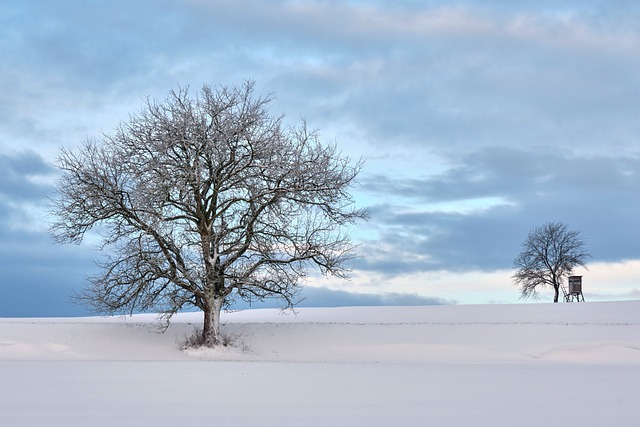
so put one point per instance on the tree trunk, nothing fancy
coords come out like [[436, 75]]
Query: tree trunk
[[555, 297], [211, 336]]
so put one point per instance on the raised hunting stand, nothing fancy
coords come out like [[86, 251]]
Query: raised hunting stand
[[575, 290]]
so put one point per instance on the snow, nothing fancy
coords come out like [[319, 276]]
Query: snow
[[477, 365]]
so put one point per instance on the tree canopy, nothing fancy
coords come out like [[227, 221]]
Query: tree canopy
[[200, 200], [549, 253]]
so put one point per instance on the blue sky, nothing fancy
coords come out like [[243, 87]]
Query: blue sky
[[478, 121]]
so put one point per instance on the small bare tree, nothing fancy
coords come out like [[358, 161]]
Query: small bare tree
[[549, 253], [200, 200]]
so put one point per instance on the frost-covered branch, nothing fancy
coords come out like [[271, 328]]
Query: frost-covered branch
[[198, 197]]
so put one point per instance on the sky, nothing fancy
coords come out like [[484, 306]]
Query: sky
[[478, 121]]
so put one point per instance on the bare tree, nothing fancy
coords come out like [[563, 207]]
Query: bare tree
[[201, 200], [549, 253]]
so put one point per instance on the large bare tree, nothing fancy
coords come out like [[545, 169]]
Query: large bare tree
[[549, 253], [200, 200]]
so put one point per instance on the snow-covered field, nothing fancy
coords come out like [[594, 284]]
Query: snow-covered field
[[485, 365]]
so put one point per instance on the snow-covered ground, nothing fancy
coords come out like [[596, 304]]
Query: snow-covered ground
[[486, 365]]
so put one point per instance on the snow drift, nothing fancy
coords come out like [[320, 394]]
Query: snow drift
[[523, 364]]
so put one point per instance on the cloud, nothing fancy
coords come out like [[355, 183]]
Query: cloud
[[444, 94], [37, 278], [633, 294], [26, 180], [428, 76], [23, 175], [475, 215], [323, 297], [479, 120]]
